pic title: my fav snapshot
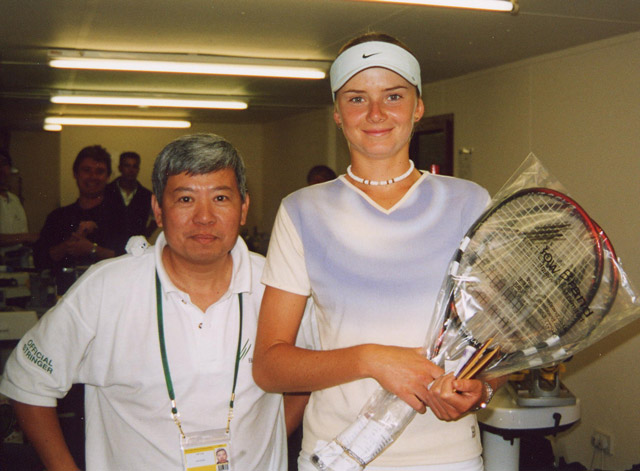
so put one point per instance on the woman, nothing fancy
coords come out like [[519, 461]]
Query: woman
[[371, 248]]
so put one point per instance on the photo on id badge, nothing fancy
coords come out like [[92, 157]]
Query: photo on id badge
[[212, 453]]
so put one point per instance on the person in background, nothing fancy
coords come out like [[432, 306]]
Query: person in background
[[320, 174], [83, 232], [14, 230], [162, 338], [372, 248], [131, 200]]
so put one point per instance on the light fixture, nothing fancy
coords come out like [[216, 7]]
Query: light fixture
[[491, 5], [52, 127], [187, 64], [144, 123], [132, 100]]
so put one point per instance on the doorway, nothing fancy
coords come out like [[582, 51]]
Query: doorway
[[431, 146]]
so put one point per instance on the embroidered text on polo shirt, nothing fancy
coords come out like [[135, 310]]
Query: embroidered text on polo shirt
[[34, 355]]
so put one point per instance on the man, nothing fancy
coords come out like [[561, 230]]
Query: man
[[221, 456], [106, 332], [13, 220], [131, 200], [320, 174], [82, 233]]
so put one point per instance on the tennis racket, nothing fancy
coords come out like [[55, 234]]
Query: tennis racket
[[524, 276], [604, 298]]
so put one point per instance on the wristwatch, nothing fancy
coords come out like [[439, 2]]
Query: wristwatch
[[488, 390]]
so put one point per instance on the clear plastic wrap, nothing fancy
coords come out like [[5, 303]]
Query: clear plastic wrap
[[608, 303]]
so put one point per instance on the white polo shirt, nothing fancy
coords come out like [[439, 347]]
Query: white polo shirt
[[104, 333], [13, 219]]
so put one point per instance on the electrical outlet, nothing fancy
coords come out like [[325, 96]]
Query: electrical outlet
[[602, 441]]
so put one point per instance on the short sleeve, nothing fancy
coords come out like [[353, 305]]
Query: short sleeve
[[47, 359], [285, 268]]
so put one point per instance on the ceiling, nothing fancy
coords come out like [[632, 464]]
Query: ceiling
[[447, 42]]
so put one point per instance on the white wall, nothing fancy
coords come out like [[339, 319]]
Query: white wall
[[294, 145], [579, 112], [36, 155]]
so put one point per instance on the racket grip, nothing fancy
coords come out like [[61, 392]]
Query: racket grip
[[372, 438], [325, 457], [361, 442], [344, 463]]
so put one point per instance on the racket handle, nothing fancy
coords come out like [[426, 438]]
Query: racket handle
[[325, 457], [374, 430]]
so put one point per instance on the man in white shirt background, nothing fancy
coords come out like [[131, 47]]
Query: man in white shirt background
[[14, 230]]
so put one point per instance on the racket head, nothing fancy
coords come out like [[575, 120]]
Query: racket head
[[524, 275], [611, 272], [603, 300]]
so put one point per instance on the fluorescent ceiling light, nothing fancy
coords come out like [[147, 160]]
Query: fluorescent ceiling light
[[145, 102], [52, 127], [187, 64], [144, 123], [492, 5]]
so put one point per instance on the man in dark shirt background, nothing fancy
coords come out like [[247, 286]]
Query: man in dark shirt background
[[86, 231], [131, 200]]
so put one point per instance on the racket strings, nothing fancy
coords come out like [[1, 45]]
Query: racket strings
[[507, 306], [538, 277], [603, 299]]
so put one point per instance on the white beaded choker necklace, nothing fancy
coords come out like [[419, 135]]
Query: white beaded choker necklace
[[381, 182]]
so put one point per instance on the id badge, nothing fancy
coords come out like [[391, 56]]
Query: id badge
[[209, 450]]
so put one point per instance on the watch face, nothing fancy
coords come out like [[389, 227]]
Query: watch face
[[489, 391]]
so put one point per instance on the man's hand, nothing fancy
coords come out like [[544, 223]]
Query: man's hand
[[78, 246], [85, 228]]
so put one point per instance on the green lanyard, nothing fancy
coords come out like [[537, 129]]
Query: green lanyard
[[165, 363]]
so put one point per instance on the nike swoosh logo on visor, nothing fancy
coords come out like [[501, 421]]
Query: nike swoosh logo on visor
[[366, 56]]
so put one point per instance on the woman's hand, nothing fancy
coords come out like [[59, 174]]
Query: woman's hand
[[451, 398], [402, 371]]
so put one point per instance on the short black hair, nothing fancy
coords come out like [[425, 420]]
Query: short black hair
[[97, 153], [130, 155], [322, 173]]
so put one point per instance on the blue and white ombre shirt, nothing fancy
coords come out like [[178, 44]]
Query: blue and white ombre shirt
[[374, 275]]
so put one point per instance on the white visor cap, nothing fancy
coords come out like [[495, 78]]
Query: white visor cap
[[374, 54]]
